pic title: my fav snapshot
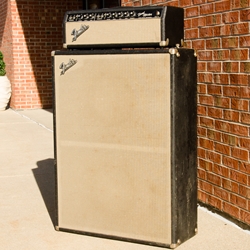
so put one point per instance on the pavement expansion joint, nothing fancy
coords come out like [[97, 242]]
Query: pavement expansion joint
[[28, 118]]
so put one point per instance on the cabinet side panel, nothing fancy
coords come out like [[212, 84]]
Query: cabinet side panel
[[184, 145]]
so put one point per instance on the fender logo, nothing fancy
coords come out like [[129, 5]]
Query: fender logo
[[76, 33], [64, 67]]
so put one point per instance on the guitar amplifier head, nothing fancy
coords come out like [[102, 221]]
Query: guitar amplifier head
[[150, 26]]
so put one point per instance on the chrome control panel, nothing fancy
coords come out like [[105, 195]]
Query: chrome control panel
[[112, 14]]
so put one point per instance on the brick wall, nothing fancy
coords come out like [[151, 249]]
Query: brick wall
[[6, 35], [219, 31], [29, 31]]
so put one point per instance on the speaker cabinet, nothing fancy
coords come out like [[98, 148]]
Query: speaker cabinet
[[125, 144]]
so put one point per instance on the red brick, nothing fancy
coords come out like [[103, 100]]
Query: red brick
[[213, 43], [206, 32], [221, 78], [239, 104], [187, 24], [239, 79], [198, 22], [146, 2], [244, 143], [215, 112], [201, 110], [230, 42], [206, 165], [237, 129], [173, 3], [214, 90], [217, 31], [205, 186], [206, 9], [138, 3], [231, 17], [202, 196], [231, 209], [192, 11], [221, 170], [229, 139], [217, 203], [245, 67], [201, 174], [205, 77], [198, 1], [231, 115], [214, 135], [244, 41], [222, 148], [205, 55], [236, 4], [222, 126], [214, 157], [244, 191], [215, 179], [230, 67], [241, 154], [207, 122], [245, 92], [201, 66], [184, 3], [238, 177], [225, 30], [222, 102], [244, 167], [238, 201], [191, 33], [206, 99], [204, 143], [230, 185], [198, 44], [221, 54], [239, 54], [240, 29], [245, 216], [213, 19], [202, 88], [222, 6], [188, 44], [245, 118], [201, 153], [201, 131], [245, 15], [221, 193], [214, 66], [231, 91]]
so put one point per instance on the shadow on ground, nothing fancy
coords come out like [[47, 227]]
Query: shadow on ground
[[45, 177]]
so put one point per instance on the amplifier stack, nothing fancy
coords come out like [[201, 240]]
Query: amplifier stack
[[125, 126]]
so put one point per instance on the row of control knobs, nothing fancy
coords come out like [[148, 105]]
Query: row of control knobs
[[107, 15]]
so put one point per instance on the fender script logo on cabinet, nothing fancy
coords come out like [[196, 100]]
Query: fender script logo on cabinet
[[64, 67], [77, 33]]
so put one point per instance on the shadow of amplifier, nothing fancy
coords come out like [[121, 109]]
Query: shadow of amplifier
[[151, 26], [126, 144]]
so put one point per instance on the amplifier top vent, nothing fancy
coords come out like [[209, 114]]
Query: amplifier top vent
[[114, 14]]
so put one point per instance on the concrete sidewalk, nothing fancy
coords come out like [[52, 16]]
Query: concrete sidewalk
[[27, 196]]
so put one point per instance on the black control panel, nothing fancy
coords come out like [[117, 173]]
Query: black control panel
[[113, 14]]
